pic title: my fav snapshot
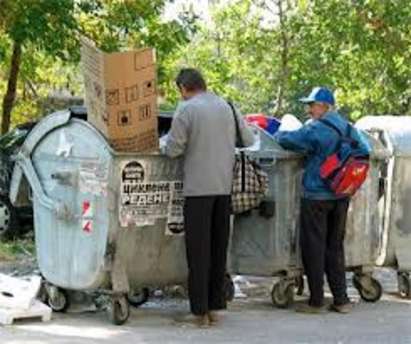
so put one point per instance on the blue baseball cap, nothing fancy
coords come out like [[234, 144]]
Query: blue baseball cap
[[319, 95]]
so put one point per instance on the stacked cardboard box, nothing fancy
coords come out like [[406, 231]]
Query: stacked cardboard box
[[121, 96]]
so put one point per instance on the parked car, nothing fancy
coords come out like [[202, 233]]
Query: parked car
[[13, 221]]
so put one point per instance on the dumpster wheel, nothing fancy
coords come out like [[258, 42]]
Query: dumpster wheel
[[404, 284], [229, 289], [282, 294], [57, 299], [136, 300], [368, 287], [119, 310], [299, 285]]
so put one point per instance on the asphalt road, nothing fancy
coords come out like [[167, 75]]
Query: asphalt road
[[250, 319]]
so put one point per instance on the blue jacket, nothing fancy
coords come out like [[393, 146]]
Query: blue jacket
[[317, 141]]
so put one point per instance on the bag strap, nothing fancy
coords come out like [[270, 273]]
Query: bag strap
[[346, 137], [242, 156], [239, 139], [332, 126], [239, 143]]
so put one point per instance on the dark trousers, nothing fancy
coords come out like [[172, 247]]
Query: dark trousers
[[322, 247], [207, 227]]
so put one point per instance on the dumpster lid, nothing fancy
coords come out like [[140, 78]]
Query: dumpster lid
[[396, 129], [24, 166], [53, 121], [266, 142], [379, 150], [78, 111]]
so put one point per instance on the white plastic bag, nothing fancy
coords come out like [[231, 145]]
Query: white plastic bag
[[290, 122]]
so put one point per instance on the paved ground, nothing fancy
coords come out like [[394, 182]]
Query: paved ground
[[248, 320]]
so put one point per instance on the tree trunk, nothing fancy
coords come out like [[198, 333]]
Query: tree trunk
[[10, 96], [284, 73]]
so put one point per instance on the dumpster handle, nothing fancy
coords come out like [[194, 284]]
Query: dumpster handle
[[56, 206], [267, 161]]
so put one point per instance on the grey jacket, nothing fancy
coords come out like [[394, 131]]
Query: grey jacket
[[203, 132]]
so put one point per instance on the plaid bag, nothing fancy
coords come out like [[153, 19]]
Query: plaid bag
[[250, 182]]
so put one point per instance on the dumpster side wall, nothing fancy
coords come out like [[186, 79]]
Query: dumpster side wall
[[269, 246], [400, 224], [72, 164], [148, 210]]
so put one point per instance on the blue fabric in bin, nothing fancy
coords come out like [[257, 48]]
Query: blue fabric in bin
[[272, 125]]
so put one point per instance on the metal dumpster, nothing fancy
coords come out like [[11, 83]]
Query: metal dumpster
[[270, 246], [363, 231], [395, 205], [104, 220]]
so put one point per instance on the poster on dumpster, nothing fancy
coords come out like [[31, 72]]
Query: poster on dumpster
[[143, 202], [93, 178], [175, 216]]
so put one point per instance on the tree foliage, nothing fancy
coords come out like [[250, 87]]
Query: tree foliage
[[32, 26], [263, 54], [47, 34], [266, 54], [361, 50]]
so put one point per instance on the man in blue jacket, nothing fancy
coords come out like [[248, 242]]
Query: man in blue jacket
[[323, 213]]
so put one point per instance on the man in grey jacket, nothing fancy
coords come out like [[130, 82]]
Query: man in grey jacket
[[203, 132]]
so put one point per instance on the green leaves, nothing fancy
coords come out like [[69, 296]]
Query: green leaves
[[49, 32], [262, 54], [358, 48], [44, 22]]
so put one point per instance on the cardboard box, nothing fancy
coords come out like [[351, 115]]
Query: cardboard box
[[121, 96]]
